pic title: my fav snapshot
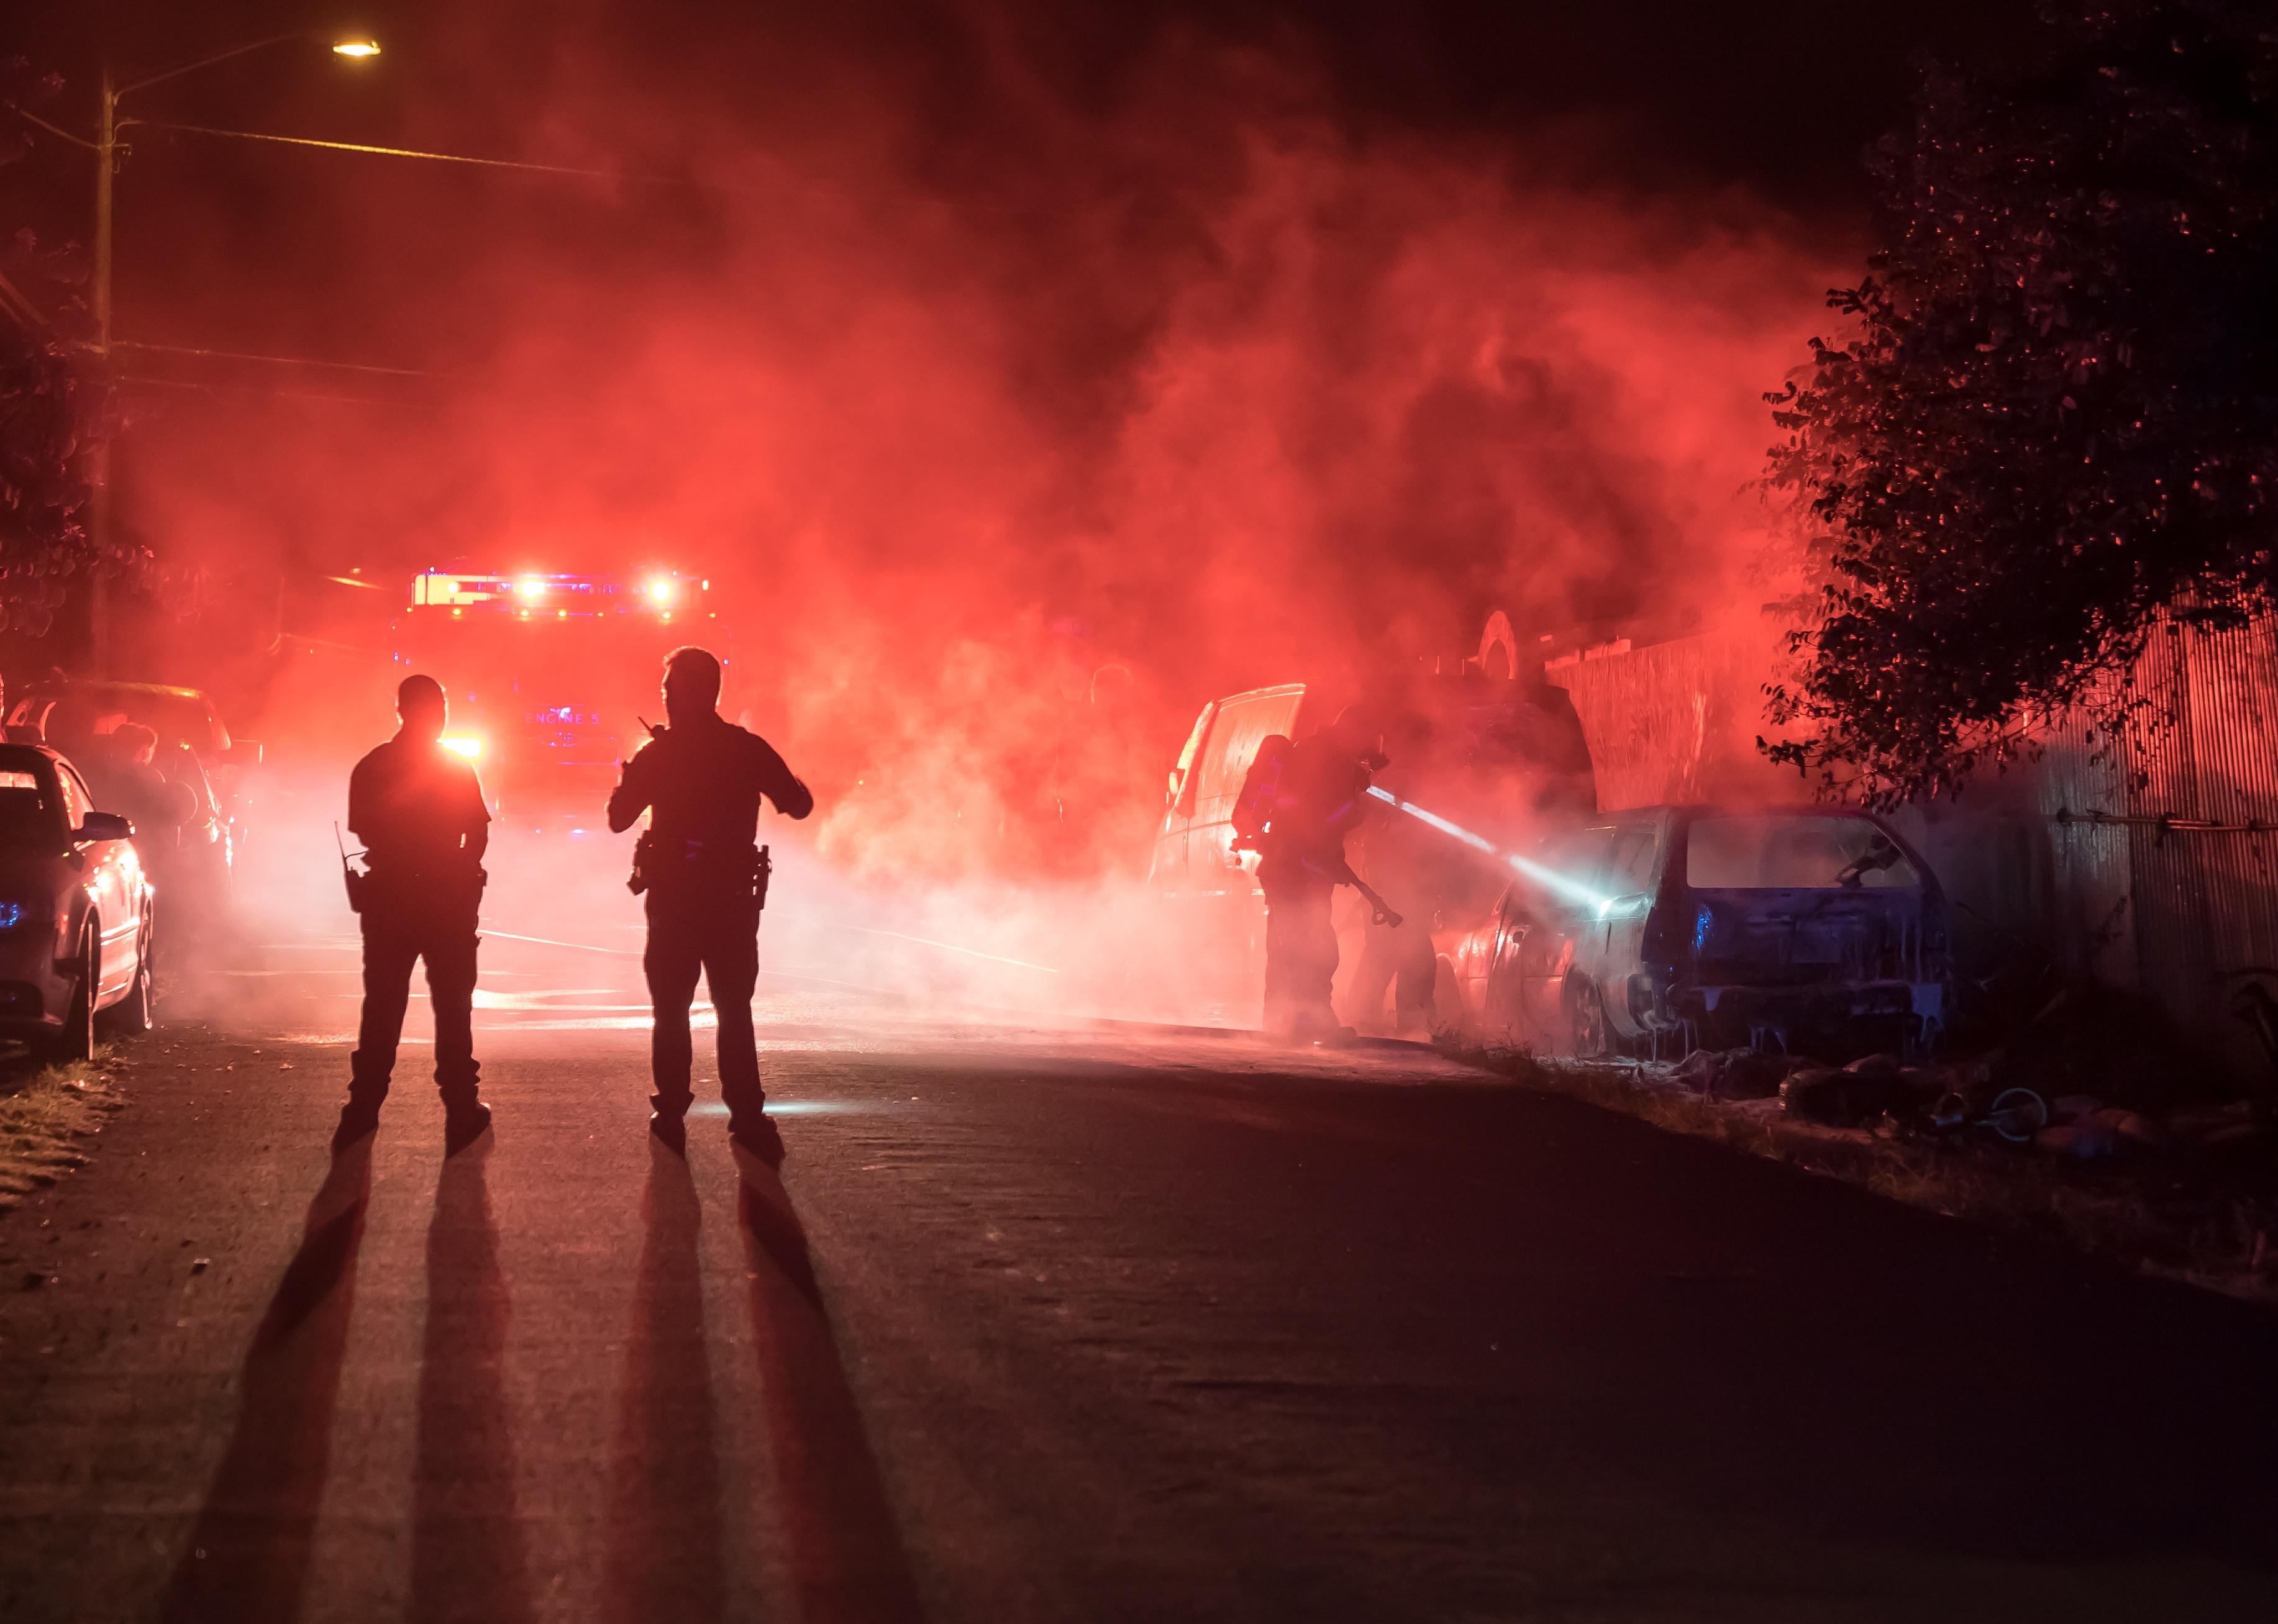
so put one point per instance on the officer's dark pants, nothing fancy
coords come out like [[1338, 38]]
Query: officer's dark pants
[[398, 933], [717, 933], [1301, 948]]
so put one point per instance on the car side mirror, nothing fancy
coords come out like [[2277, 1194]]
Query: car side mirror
[[105, 826]]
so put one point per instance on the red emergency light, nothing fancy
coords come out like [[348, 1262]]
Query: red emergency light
[[527, 596]]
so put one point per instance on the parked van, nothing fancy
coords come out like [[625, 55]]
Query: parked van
[[1214, 911], [1498, 748]]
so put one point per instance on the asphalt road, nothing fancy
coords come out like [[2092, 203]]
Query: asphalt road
[[1058, 1324]]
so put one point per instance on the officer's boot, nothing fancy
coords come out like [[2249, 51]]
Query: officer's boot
[[359, 1119], [755, 1131], [464, 1125], [465, 1116], [360, 1116]]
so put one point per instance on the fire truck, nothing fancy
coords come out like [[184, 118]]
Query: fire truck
[[549, 675]]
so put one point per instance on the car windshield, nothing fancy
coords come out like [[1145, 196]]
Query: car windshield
[[78, 713], [176, 716], [25, 817], [1793, 851]]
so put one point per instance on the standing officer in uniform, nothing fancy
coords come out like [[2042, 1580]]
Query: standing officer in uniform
[[701, 778], [419, 810]]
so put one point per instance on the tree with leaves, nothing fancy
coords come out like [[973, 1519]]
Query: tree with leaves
[[51, 405], [2051, 424]]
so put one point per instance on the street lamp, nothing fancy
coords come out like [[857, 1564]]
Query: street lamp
[[107, 149], [106, 165]]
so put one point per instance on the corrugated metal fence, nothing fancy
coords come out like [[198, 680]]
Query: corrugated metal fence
[[2157, 869], [2202, 801]]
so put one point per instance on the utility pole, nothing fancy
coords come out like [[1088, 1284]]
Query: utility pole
[[98, 517], [106, 172]]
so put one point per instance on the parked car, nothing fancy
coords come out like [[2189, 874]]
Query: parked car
[[1814, 929], [69, 711], [192, 855], [76, 914], [185, 843], [65, 707]]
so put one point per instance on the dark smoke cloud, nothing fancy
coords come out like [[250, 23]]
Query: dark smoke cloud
[[965, 397]]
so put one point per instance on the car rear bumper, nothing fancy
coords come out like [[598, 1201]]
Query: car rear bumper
[[1818, 1004], [33, 994], [24, 1013]]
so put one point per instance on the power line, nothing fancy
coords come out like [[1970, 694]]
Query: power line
[[27, 313], [52, 129], [280, 360], [274, 394], [409, 152]]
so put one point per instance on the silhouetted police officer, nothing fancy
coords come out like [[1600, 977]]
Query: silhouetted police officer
[[419, 810], [700, 779]]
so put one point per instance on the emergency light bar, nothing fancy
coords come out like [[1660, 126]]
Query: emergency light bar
[[566, 596]]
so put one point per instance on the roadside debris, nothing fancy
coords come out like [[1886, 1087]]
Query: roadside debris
[[2184, 1188], [1880, 1092]]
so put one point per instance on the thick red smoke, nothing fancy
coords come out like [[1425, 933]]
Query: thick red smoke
[[1007, 448]]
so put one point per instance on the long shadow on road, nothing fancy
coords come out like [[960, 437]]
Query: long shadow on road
[[665, 1554], [467, 1556], [247, 1557], [848, 1565]]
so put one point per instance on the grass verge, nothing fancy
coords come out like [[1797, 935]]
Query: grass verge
[[48, 1114], [2212, 1222]]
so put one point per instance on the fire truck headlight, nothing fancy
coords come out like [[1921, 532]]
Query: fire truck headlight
[[469, 746], [530, 586], [661, 590]]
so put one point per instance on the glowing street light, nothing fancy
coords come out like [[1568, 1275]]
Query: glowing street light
[[356, 48]]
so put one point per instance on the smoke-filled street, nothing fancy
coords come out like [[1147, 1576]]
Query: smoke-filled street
[[1047, 1323], [1035, 812]]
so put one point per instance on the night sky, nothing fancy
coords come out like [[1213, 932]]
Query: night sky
[[1778, 98]]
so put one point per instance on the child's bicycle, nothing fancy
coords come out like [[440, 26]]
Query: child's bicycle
[[2014, 1114]]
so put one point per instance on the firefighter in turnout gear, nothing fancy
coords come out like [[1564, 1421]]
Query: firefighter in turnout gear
[[419, 810], [704, 881], [1297, 803]]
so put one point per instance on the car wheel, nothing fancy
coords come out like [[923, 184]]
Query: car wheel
[[130, 1017], [1594, 1036], [76, 1040]]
